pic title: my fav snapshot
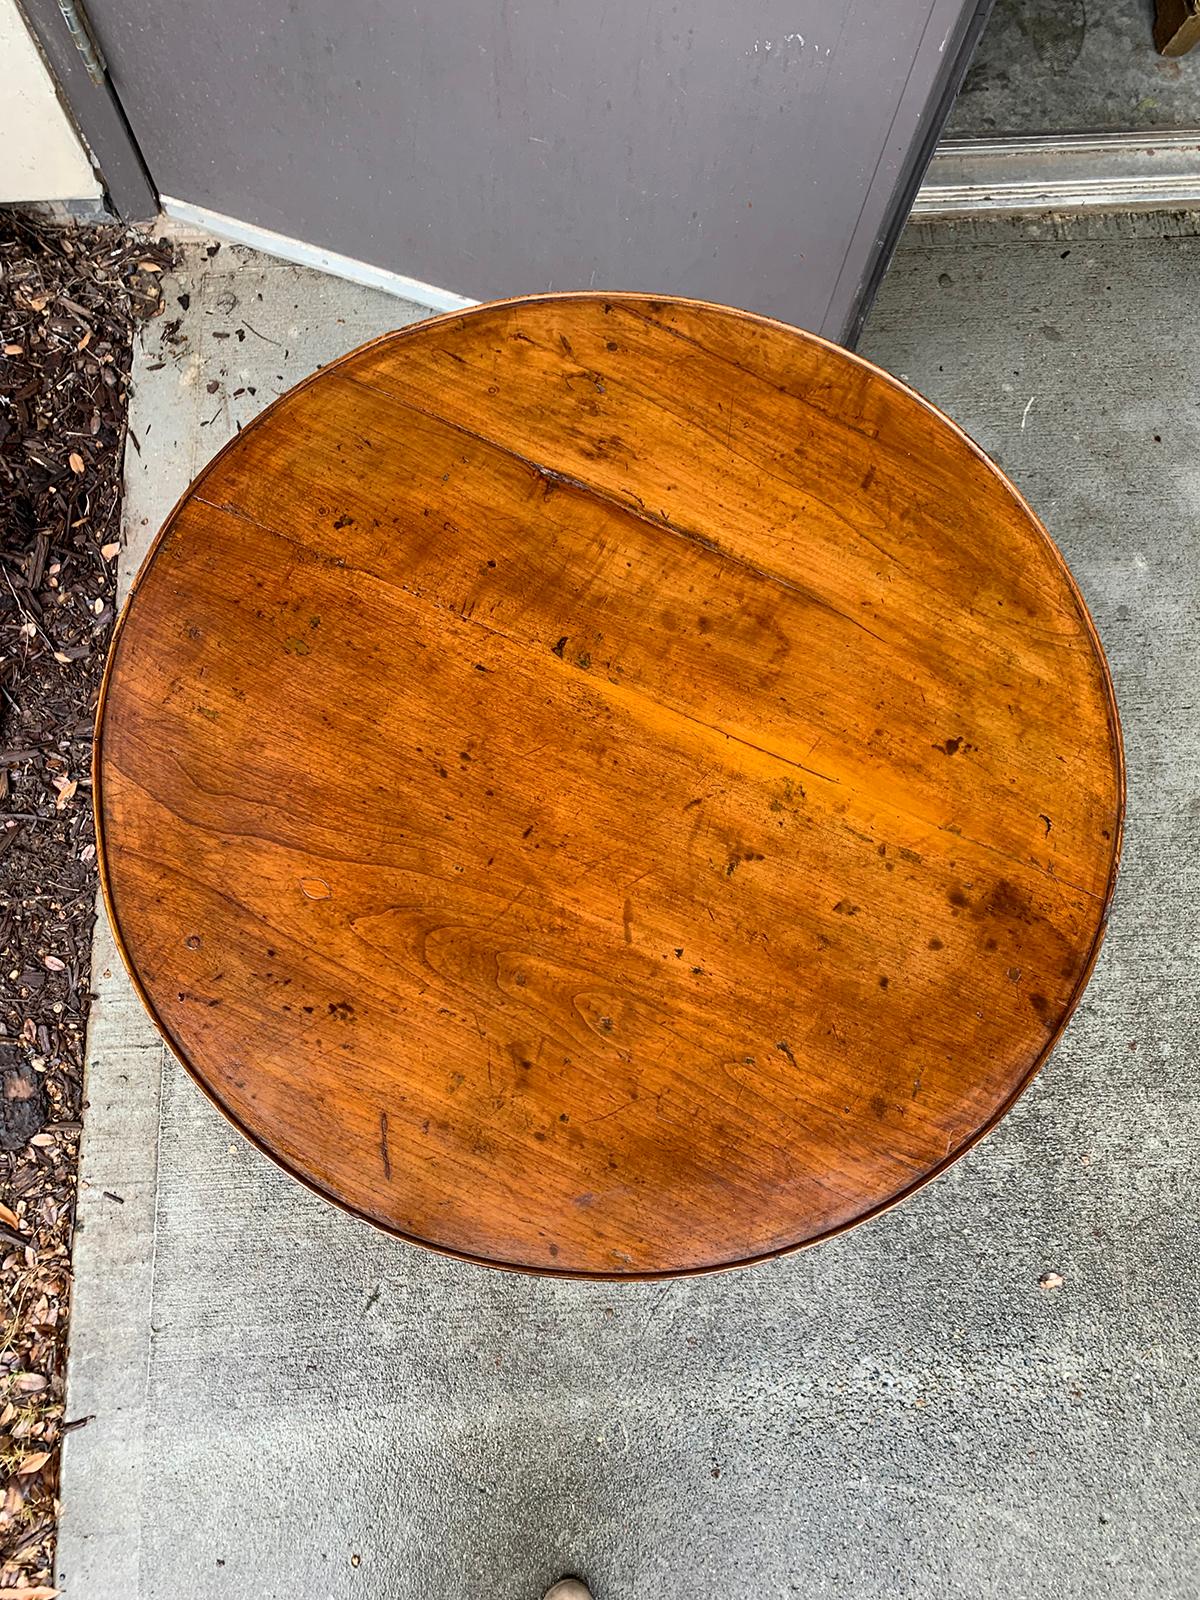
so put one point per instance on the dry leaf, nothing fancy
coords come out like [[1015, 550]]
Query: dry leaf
[[149, 266], [39, 302], [54, 964], [63, 661], [85, 341], [14, 349], [29, 1383], [76, 461], [33, 1463], [108, 551], [65, 795], [9, 1217], [42, 1592]]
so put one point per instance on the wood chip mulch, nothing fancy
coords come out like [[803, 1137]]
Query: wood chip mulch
[[70, 301]]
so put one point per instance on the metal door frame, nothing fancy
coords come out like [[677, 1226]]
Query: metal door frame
[[96, 111]]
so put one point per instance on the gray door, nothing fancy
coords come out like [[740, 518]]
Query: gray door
[[759, 152]]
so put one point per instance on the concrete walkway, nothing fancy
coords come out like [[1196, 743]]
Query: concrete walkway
[[286, 1404]]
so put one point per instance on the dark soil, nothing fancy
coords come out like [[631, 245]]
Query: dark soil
[[69, 304]]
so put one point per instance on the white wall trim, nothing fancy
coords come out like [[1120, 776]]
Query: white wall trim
[[42, 157], [312, 255]]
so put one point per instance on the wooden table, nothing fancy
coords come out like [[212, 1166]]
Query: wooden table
[[608, 786]]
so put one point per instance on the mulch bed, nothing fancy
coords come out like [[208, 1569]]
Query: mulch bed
[[70, 300]]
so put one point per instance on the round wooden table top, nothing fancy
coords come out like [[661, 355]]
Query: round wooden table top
[[608, 785]]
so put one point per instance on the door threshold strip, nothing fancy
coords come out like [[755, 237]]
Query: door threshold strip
[[1061, 172]]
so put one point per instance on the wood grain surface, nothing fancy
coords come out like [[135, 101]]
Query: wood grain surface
[[608, 785]]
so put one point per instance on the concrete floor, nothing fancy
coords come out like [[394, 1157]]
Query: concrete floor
[[1074, 66], [286, 1404]]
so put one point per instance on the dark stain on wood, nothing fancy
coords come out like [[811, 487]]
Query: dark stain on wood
[[384, 1153]]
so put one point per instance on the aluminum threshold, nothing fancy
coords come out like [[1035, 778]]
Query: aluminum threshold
[[1061, 172]]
